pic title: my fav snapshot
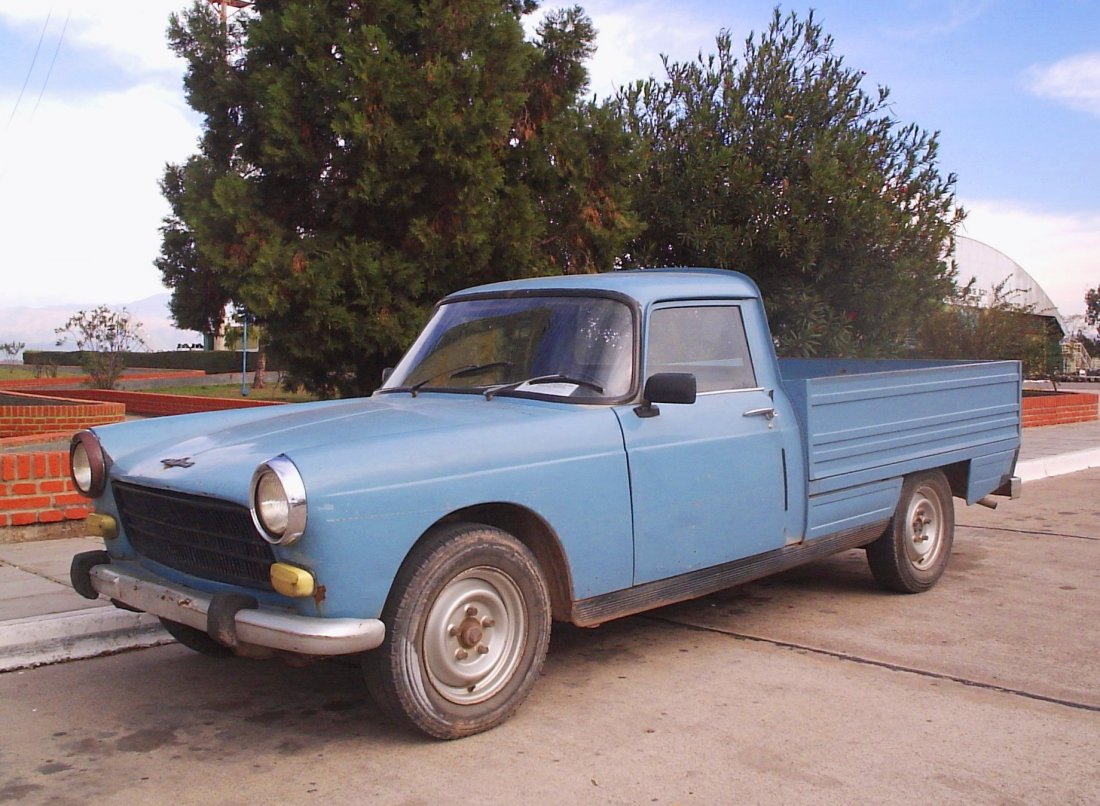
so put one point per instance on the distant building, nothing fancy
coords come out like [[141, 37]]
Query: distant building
[[990, 268]]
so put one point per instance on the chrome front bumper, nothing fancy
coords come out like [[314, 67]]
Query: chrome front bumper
[[262, 626]]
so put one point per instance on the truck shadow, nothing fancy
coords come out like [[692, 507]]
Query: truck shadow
[[183, 706]]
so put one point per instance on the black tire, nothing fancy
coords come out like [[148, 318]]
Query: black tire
[[196, 640], [467, 628], [912, 553]]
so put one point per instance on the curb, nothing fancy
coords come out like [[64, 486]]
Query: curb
[[1058, 465], [42, 640]]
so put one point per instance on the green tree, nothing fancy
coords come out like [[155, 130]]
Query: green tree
[[359, 161], [780, 165], [1003, 329], [12, 348], [199, 295], [102, 335], [192, 233], [1092, 306]]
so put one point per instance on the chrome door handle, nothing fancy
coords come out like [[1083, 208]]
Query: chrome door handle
[[768, 412]]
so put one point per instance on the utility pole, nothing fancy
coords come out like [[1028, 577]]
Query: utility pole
[[225, 5]]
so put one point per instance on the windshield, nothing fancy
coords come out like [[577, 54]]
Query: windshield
[[571, 347]]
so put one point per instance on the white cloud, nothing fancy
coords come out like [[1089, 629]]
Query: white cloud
[[80, 207], [632, 36], [131, 34], [80, 210], [935, 18], [1074, 81], [1060, 251]]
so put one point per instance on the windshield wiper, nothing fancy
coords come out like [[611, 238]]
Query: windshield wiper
[[540, 379], [464, 371]]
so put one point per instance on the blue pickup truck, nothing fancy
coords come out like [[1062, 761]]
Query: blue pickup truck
[[566, 448]]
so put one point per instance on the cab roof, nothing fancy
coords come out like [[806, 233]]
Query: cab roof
[[646, 286]]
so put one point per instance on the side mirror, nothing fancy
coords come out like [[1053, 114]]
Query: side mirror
[[666, 387], [386, 373]]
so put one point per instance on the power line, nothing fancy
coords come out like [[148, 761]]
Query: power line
[[30, 70], [49, 72]]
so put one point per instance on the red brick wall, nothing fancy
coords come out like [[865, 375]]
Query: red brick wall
[[1059, 408], [35, 488], [148, 404], [21, 420]]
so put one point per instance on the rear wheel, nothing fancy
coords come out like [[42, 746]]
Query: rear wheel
[[468, 625], [912, 553], [195, 640]]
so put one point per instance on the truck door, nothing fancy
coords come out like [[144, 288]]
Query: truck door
[[707, 479]]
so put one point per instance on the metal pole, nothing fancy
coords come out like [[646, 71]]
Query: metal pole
[[244, 357]]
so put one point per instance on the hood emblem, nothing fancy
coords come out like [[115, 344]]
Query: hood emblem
[[184, 462]]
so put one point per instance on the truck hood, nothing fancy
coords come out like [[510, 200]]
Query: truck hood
[[215, 454]]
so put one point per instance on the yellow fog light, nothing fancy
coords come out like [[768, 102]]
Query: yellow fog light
[[100, 525], [290, 581]]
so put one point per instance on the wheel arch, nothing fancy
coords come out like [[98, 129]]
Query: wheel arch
[[958, 477], [534, 532]]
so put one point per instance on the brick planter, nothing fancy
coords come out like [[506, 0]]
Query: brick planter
[[150, 404], [35, 488], [1058, 408], [23, 415]]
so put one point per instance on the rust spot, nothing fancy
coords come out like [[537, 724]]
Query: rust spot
[[319, 595]]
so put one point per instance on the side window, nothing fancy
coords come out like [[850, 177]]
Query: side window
[[708, 341]]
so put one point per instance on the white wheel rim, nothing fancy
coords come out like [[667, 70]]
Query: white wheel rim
[[923, 528], [474, 635]]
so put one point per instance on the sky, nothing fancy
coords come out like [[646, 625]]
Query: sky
[[92, 108]]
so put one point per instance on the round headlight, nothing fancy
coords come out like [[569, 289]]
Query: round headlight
[[279, 501], [272, 506], [87, 464]]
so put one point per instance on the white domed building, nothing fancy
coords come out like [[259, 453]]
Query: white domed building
[[990, 268]]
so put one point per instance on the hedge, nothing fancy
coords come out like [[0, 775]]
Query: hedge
[[214, 362]]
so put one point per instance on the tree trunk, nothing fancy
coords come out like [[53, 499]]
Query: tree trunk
[[261, 365]]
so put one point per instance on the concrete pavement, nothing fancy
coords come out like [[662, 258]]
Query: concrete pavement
[[43, 621], [812, 686]]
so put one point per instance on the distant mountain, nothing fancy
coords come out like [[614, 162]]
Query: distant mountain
[[35, 326]]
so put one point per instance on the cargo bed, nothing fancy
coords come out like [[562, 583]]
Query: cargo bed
[[869, 420]]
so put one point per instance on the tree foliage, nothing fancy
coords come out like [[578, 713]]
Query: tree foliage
[[12, 348], [1003, 330], [1092, 306], [361, 160], [780, 165], [102, 335]]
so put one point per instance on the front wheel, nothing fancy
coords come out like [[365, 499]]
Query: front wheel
[[912, 553], [468, 627]]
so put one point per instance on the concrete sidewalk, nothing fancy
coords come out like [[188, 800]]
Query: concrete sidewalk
[[43, 621]]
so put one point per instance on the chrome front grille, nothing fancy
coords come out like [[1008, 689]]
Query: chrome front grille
[[204, 537]]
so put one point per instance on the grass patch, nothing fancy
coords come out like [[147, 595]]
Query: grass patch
[[18, 372], [270, 392]]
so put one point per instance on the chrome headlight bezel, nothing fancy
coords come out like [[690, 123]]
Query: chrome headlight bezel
[[279, 528], [88, 464]]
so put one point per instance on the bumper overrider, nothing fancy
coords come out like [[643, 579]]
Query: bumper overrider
[[234, 620]]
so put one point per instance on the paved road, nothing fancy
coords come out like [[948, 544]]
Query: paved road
[[809, 687]]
